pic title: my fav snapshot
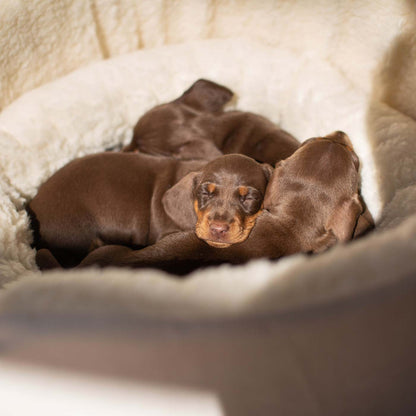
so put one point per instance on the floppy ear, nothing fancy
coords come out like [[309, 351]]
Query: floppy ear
[[178, 201], [341, 224], [268, 170], [206, 95], [271, 197], [344, 219], [45, 260], [365, 221]]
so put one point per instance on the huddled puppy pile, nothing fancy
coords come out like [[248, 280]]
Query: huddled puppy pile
[[200, 186]]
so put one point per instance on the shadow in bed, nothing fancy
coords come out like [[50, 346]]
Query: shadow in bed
[[323, 360], [391, 122]]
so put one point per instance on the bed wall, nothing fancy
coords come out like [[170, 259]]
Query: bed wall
[[323, 335], [42, 40]]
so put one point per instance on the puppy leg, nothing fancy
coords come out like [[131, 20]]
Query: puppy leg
[[45, 260], [177, 253], [106, 256]]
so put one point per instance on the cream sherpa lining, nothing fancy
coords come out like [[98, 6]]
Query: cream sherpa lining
[[308, 93]]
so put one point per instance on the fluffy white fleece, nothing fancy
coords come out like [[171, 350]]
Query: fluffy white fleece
[[312, 70]]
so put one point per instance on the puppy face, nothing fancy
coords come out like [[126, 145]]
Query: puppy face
[[228, 197]]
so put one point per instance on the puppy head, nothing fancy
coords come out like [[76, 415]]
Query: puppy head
[[228, 197], [221, 201], [330, 159], [319, 186]]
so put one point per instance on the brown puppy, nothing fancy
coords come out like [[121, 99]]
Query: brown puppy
[[194, 126], [135, 199], [228, 196], [172, 129], [312, 202]]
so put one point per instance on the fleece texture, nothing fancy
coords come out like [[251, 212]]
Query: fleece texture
[[78, 75]]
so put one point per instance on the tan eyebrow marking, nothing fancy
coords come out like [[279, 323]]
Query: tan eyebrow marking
[[243, 190], [211, 187]]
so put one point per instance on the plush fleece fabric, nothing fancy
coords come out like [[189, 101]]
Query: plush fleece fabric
[[77, 75]]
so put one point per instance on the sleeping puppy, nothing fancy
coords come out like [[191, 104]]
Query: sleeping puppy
[[135, 200], [228, 197], [194, 126], [172, 129], [312, 202]]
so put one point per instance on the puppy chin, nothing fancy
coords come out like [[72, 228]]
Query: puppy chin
[[211, 242], [217, 244], [225, 241]]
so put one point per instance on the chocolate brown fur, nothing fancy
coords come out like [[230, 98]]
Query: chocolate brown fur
[[134, 200], [312, 202], [194, 126]]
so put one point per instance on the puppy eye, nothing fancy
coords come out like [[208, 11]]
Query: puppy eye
[[207, 190], [248, 194], [207, 194], [249, 203], [250, 200], [247, 198]]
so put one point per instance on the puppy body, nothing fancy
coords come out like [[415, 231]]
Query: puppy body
[[312, 202], [105, 198], [194, 126], [252, 135], [134, 199], [174, 129]]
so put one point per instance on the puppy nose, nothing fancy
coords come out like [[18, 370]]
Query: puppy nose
[[218, 229]]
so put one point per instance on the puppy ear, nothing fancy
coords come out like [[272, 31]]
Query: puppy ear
[[344, 219], [178, 201], [45, 260], [365, 221], [341, 225], [271, 196], [206, 95], [268, 170]]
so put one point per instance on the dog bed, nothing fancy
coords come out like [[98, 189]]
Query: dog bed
[[78, 75]]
